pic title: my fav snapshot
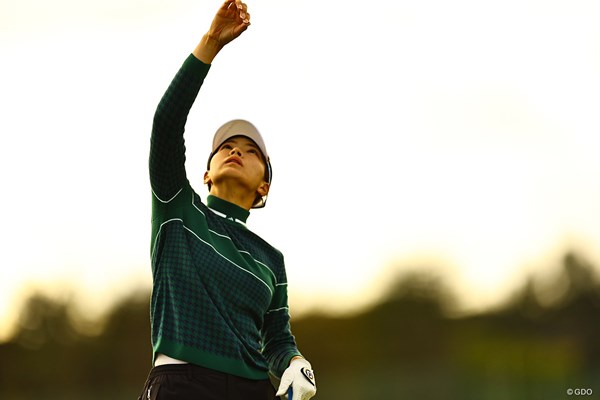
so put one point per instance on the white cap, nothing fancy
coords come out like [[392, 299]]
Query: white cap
[[239, 127]]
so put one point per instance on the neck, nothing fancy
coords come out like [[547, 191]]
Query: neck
[[233, 195]]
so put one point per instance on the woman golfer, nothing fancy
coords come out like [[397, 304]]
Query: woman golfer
[[219, 310]]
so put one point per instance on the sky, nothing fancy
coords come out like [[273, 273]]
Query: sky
[[459, 137]]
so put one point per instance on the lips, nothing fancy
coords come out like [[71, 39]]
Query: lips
[[235, 160]]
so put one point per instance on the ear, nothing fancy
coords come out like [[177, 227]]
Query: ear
[[263, 189], [207, 180]]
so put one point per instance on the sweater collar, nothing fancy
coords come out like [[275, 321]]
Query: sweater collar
[[227, 210]]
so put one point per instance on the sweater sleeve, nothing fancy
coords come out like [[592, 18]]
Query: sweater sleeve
[[167, 148], [279, 343]]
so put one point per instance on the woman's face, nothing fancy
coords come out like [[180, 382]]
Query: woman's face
[[239, 160]]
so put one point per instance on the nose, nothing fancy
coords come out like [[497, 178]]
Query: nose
[[235, 151]]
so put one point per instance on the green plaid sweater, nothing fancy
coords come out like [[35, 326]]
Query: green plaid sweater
[[219, 295]]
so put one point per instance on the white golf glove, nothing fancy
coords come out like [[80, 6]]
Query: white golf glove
[[300, 377]]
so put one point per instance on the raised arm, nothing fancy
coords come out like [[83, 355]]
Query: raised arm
[[167, 147]]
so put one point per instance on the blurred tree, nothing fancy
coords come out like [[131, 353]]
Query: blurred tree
[[44, 320], [49, 356], [541, 342]]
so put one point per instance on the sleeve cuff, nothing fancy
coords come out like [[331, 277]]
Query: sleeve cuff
[[195, 66]]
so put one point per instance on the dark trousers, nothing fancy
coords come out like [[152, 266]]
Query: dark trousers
[[192, 382]]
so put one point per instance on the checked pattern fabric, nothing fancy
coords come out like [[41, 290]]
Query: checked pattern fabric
[[219, 296]]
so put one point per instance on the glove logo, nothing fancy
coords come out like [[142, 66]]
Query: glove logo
[[308, 374]]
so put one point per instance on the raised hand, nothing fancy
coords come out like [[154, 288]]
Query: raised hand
[[230, 21]]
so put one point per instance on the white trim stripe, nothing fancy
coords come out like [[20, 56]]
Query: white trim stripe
[[217, 251], [260, 263], [277, 309], [160, 230], [210, 245], [202, 212], [165, 201], [220, 234], [193, 205], [220, 214]]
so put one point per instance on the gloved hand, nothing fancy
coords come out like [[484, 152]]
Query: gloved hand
[[300, 377]]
